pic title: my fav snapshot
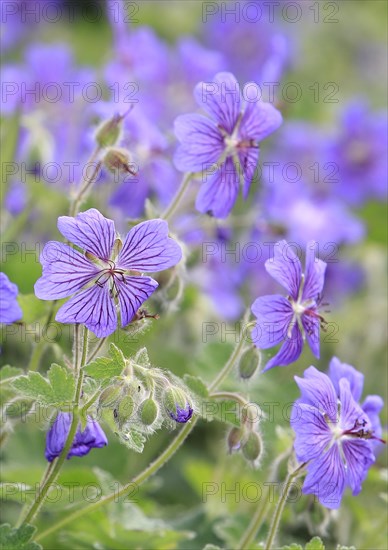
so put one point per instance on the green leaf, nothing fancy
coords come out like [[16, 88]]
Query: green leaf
[[7, 372], [196, 385], [104, 368], [141, 358], [134, 440], [315, 544], [62, 382], [292, 546], [57, 390], [18, 539], [33, 308]]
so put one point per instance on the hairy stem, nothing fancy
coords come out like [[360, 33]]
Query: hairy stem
[[248, 537], [53, 470], [172, 207], [154, 466], [280, 505], [86, 183]]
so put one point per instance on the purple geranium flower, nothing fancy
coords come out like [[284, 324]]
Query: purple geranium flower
[[91, 437], [333, 434], [182, 415], [10, 310], [295, 318], [109, 272], [226, 146]]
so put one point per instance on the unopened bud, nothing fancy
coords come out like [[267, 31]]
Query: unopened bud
[[148, 411], [109, 396], [125, 409], [118, 160], [249, 363], [109, 131], [234, 439], [252, 447], [177, 404]]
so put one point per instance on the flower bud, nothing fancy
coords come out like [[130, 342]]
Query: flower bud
[[117, 160], [177, 404], [109, 396], [252, 447], [109, 131], [148, 411], [249, 363], [234, 439], [125, 410]]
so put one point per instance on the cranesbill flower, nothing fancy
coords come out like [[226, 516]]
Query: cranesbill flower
[[91, 437], [108, 275], [10, 310], [225, 147], [295, 318], [334, 436], [371, 405]]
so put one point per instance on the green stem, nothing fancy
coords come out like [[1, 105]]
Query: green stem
[[280, 506], [52, 471], [233, 358], [154, 466], [86, 183], [249, 536], [170, 210], [228, 395]]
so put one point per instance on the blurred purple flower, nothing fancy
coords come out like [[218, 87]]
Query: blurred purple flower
[[108, 273], [226, 145], [255, 48], [16, 199], [197, 62], [295, 318], [360, 151], [333, 433], [91, 437], [10, 310]]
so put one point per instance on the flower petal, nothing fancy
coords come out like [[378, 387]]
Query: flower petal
[[289, 352], [314, 274], [65, 271], [10, 310], [338, 370], [93, 307], [57, 435], [218, 195], [90, 231], [311, 325], [147, 247], [317, 390], [351, 411], [285, 268], [313, 434], [274, 315], [220, 98], [132, 294], [359, 457], [93, 437], [248, 158], [260, 119], [201, 143], [326, 478]]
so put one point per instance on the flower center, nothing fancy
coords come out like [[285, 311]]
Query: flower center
[[111, 274]]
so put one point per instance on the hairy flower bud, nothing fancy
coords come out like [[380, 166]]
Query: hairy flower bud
[[118, 160], [252, 447], [109, 396], [234, 439], [148, 411], [177, 404], [108, 133], [125, 410], [249, 363]]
